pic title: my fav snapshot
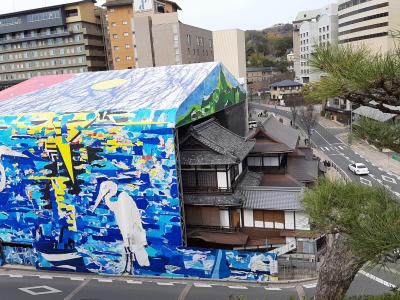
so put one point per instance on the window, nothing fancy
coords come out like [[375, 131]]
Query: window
[[111, 10], [117, 59], [116, 48], [115, 36], [124, 22], [126, 34], [189, 39], [113, 24], [127, 46], [269, 219], [128, 58], [71, 13]]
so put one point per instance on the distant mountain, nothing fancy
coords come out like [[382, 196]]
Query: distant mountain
[[268, 47], [279, 29]]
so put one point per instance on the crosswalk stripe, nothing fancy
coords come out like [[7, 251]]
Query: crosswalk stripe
[[341, 148], [202, 285], [273, 289], [310, 286], [134, 282], [165, 283], [237, 287]]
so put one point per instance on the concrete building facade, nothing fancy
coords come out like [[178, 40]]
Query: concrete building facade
[[150, 34], [319, 30], [369, 23], [230, 49], [59, 39]]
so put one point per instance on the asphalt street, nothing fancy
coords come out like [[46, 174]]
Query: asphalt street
[[342, 155], [21, 285]]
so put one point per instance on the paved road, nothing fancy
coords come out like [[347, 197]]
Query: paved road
[[342, 155], [23, 285]]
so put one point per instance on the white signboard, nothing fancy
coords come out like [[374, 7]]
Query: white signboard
[[143, 5]]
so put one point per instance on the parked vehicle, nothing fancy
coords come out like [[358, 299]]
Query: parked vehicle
[[359, 169]]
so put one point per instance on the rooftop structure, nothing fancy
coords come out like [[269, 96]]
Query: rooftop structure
[[58, 39]]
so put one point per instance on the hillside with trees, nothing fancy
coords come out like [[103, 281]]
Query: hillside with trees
[[268, 47]]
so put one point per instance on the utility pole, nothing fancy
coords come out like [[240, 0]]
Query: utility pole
[[351, 124]]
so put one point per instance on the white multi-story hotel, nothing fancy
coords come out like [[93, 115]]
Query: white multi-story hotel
[[369, 22], [320, 29]]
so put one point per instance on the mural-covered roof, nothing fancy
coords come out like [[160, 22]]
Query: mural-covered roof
[[189, 91]]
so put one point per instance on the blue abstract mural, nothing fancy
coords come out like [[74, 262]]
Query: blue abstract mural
[[96, 190]]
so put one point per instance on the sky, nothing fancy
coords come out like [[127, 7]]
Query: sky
[[213, 14]]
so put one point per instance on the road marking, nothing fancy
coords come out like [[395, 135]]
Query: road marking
[[389, 179], [104, 280], [77, 278], [365, 181], [45, 290], [165, 283], [341, 148], [377, 279], [273, 289], [15, 275], [185, 292], [237, 287], [310, 286], [134, 282], [322, 148], [45, 277], [76, 291], [327, 149], [202, 285], [322, 137]]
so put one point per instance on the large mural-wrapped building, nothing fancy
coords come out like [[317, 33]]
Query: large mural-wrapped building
[[89, 172]]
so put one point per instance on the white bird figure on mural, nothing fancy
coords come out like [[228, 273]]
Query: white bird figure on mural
[[5, 151], [129, 222]]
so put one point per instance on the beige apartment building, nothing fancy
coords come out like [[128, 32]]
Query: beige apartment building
[[58, 39], [369, 22], [230, 49], [149, 33]]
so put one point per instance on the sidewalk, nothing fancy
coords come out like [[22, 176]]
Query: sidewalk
[[330, 123], [370, 153]]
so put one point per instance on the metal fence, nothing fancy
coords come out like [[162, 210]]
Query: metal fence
[[298, 267]]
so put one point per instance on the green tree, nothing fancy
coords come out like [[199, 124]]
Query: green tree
[[359, 75], [382, 135], [362, 225]]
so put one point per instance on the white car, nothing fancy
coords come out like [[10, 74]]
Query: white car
[[359, 169]]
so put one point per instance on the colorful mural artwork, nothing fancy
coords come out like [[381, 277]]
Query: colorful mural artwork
[[96, 190]]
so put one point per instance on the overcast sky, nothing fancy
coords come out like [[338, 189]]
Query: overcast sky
[[213, 14]]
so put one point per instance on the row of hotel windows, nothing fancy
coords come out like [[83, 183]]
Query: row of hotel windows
[[41, 53], [324, 37], [43, 63], [351, 3], [302, 49], [305, 56], [303, 35], [199, 41], [305, 71], [115, 36], [118, 59], [197, 52], [124, 22], [127, 46], [42, 43], [42, 16], [28, 75], [323, 29], [10, 37]]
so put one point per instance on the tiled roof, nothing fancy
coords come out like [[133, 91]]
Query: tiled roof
[[286, 83], [302, 169], [285, 136], [225, 146], [373, 113], [118, 3], [214, 200], [267, 198]]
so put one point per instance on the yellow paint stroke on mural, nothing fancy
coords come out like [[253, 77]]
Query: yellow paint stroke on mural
[[108, 84], [59, 186]]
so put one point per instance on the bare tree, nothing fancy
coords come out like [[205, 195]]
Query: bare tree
[[295, 102], [308, 118]]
